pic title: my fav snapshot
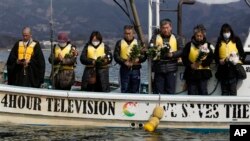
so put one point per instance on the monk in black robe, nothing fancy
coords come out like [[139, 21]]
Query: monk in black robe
[[26, 63]]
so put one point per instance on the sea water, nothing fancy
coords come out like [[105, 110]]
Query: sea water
[[10, 132]]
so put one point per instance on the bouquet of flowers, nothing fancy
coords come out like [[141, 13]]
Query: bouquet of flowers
[[233, 58], [203, 52], [157, 53], [135, 52], [100, 61], [164, 50], [153, 52], [70, 54]]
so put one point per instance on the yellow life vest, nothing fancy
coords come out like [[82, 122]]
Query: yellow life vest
[[193, 55], [63, 52], [226, 49], [126, 48], [25, 52], [94, 53], [172, 42]]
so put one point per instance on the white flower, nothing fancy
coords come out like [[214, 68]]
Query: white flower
[[234, 58]]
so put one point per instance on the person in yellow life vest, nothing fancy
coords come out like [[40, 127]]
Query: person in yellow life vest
[[228, 44], [96, 56], [129, 69], [26, 64], [197, 57], [165, 67], [64, 60]]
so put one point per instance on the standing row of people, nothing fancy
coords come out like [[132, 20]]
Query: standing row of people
[[26, 64]]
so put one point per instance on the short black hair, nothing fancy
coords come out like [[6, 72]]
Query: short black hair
[[200, 28], [128, 27], [165, 21], [96, 34]]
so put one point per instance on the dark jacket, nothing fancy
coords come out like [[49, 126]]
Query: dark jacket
[[199, 74], [64, 78], [168, 64], [34, 72], [102, 72], [227, 71], [121, 61]]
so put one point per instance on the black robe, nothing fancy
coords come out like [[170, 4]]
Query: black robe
[[34, 72]]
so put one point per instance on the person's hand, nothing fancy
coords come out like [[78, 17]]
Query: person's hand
[[26, 63], [74, 52], [20, 62], [136, 61], [170, 54], [195, 66], [60, 58], [128, 64], [222, 61]]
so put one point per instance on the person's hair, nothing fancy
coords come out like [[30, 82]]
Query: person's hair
[[225, 27], [27, 28], [96, 34], [165, 21], [129, 27], [200, 28]]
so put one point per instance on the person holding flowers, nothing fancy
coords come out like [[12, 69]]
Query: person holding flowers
[[96, 56], [197, 57], [165, 50], [129, 55], [228, 54], [64, 62]]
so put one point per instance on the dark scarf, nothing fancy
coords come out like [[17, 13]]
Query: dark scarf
[[198, 43]]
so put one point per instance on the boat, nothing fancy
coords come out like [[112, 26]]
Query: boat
[[36, 106]]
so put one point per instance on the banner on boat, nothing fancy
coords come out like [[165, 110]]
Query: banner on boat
[[122, 109]]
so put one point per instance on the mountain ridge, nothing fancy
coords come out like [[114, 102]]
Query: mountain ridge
[[80, 18]]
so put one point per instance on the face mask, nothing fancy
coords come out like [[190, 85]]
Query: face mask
[[226, 35], [62, 44], [95, 43]]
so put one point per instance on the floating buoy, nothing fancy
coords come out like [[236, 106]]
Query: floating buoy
[[149, 127], [155, 121], [158, 112]]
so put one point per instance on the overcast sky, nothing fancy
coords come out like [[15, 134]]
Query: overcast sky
[[217, 1]]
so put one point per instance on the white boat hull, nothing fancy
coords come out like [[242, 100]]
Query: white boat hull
[[21, 105]]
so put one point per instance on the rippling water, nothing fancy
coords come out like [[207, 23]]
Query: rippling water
[[54, 133]]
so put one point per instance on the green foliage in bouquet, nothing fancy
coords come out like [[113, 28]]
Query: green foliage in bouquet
[[152, 52], [135, 52], [100, 61], [68, 55], [156, 54], [164, 51]]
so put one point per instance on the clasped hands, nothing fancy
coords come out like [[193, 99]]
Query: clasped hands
[[130, 63], [23, 62]]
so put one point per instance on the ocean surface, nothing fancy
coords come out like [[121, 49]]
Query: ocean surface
[[66, 133], [10, 132]]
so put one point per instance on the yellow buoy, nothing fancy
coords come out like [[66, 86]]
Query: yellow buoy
[[158, 112], [155, 121], [149, 127]]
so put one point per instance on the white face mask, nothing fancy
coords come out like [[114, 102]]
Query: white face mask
[[95, 43], [226, 35], [62, 44]]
